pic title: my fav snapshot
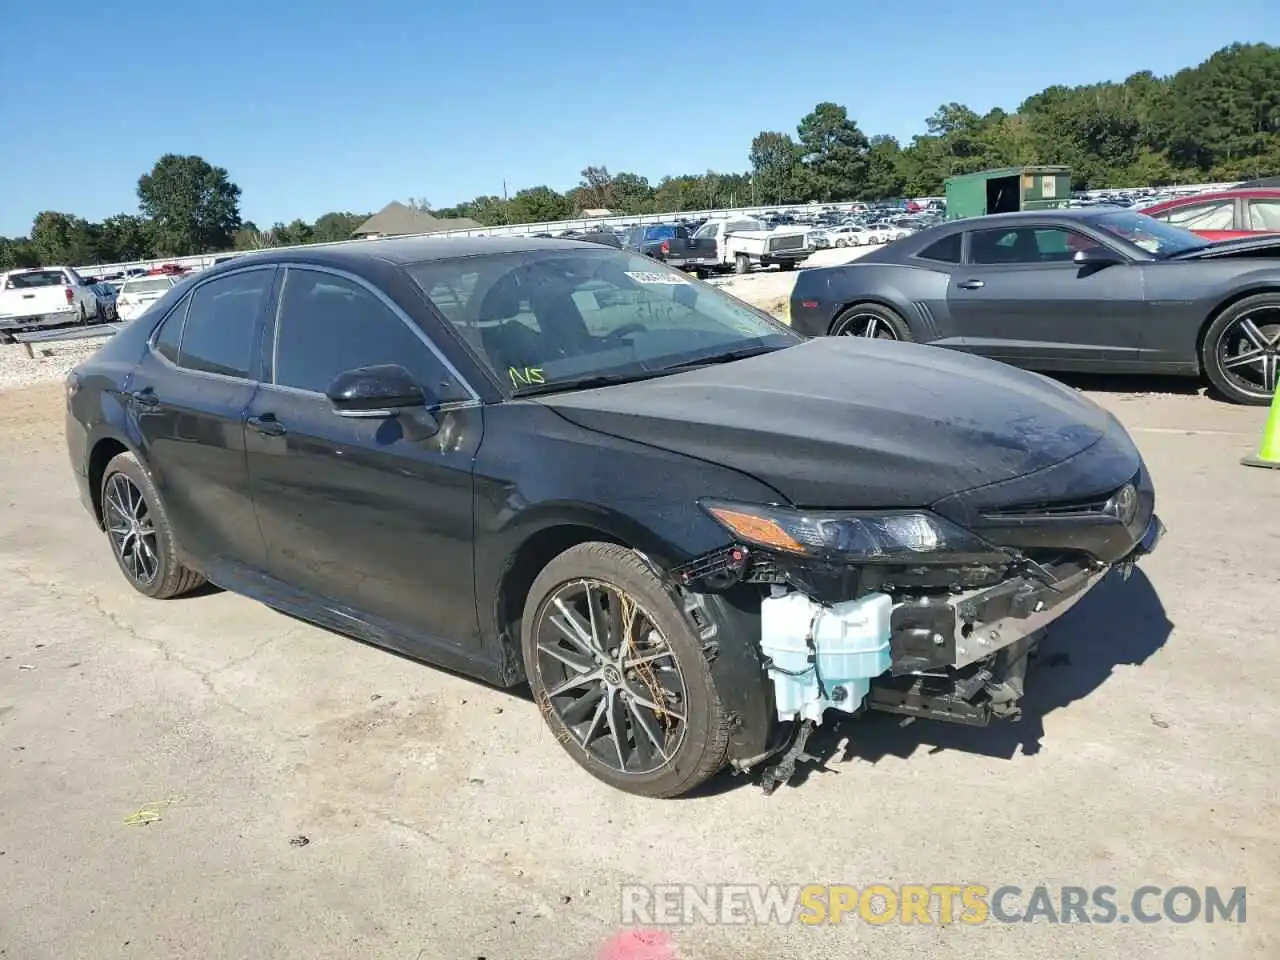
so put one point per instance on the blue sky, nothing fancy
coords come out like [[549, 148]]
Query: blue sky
[[320, 106]]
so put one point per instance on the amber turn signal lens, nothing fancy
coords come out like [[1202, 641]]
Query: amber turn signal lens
[[756, 529]]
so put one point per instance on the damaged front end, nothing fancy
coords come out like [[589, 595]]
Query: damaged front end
[[908, 612]]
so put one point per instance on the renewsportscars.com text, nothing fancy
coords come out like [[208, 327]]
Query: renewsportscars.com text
[[936, 903]]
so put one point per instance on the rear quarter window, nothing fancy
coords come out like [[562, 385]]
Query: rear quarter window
[[945, 250]]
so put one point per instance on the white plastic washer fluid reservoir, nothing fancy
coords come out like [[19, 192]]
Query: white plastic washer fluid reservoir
[[822, 656]]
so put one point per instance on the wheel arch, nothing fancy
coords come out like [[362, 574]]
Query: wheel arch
[[721, 618], [543, 539], [877, 299], [103, 450], [1225, 304]]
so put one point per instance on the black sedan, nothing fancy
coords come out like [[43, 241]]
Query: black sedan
[[690, 530], [1096, 290]]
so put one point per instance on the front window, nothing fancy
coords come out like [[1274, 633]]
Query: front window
[[708, 229], [547, 319], [1160, 239]]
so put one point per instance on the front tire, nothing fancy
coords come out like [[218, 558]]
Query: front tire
[[142, 540], [619, 674], [1241, 350], [871, 320]]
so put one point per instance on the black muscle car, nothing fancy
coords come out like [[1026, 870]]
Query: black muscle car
[[1067, 291]]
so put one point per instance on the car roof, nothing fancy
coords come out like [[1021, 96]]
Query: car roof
[[1020, 216], [405, 250], [1255, 193]]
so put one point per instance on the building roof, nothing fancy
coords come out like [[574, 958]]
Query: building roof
[[397, 219]]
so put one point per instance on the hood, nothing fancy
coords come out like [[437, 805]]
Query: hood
[[1263, 245], [846, 422]]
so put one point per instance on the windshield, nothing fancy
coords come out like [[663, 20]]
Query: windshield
[[1154, 236], [541, 318]]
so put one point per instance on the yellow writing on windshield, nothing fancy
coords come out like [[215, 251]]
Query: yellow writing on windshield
[[525, 376]]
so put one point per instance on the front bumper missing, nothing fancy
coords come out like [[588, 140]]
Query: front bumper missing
[[938, 632], [970, 697], [964, 659], [958, 657]]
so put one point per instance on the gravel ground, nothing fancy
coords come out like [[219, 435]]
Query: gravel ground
[[770, 290], [309, 796], [51, 363]]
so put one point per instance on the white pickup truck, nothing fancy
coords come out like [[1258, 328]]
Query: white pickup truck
[[43, 297], [740, 243]]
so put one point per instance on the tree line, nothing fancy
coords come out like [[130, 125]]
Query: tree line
[[1218, 121]]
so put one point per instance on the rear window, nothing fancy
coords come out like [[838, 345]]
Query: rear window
[[36, 278], [660, 233], [156, 285]]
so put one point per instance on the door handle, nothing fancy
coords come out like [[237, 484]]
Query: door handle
[[267, 425], [146, 397], [970, 284]]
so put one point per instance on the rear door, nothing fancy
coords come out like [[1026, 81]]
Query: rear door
[[188, 397], [1262, 214], [353, 510], [1018, 297]]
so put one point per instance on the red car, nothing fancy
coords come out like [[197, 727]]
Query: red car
[[1222, 216]]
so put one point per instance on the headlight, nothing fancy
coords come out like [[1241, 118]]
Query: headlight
[[889, 536]]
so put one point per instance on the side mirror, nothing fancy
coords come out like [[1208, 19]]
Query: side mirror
[[1095, 257], [377, 392]]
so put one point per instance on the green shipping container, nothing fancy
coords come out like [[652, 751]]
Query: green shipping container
[[1007, 190]]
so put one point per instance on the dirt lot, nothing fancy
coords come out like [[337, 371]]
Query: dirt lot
[[441, 820]]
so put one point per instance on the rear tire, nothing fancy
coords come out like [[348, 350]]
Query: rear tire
[[668, 669], [1249, 327], [138, 529], [741, 263], [871, 320], [84, 316]]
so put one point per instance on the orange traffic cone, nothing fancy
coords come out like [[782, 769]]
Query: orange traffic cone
[[1269, 450]]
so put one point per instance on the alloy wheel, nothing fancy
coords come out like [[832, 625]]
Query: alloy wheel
[[1249, 350], [868, 325], [130, 527], [611, 677]]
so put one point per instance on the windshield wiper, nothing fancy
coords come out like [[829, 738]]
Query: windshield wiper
[[727, 357], [585, 383]]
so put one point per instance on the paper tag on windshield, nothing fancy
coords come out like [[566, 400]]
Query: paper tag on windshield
[[666, 279]]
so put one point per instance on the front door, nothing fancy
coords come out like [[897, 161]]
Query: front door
[[188, 396], [357, 512], [1020, 298]]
